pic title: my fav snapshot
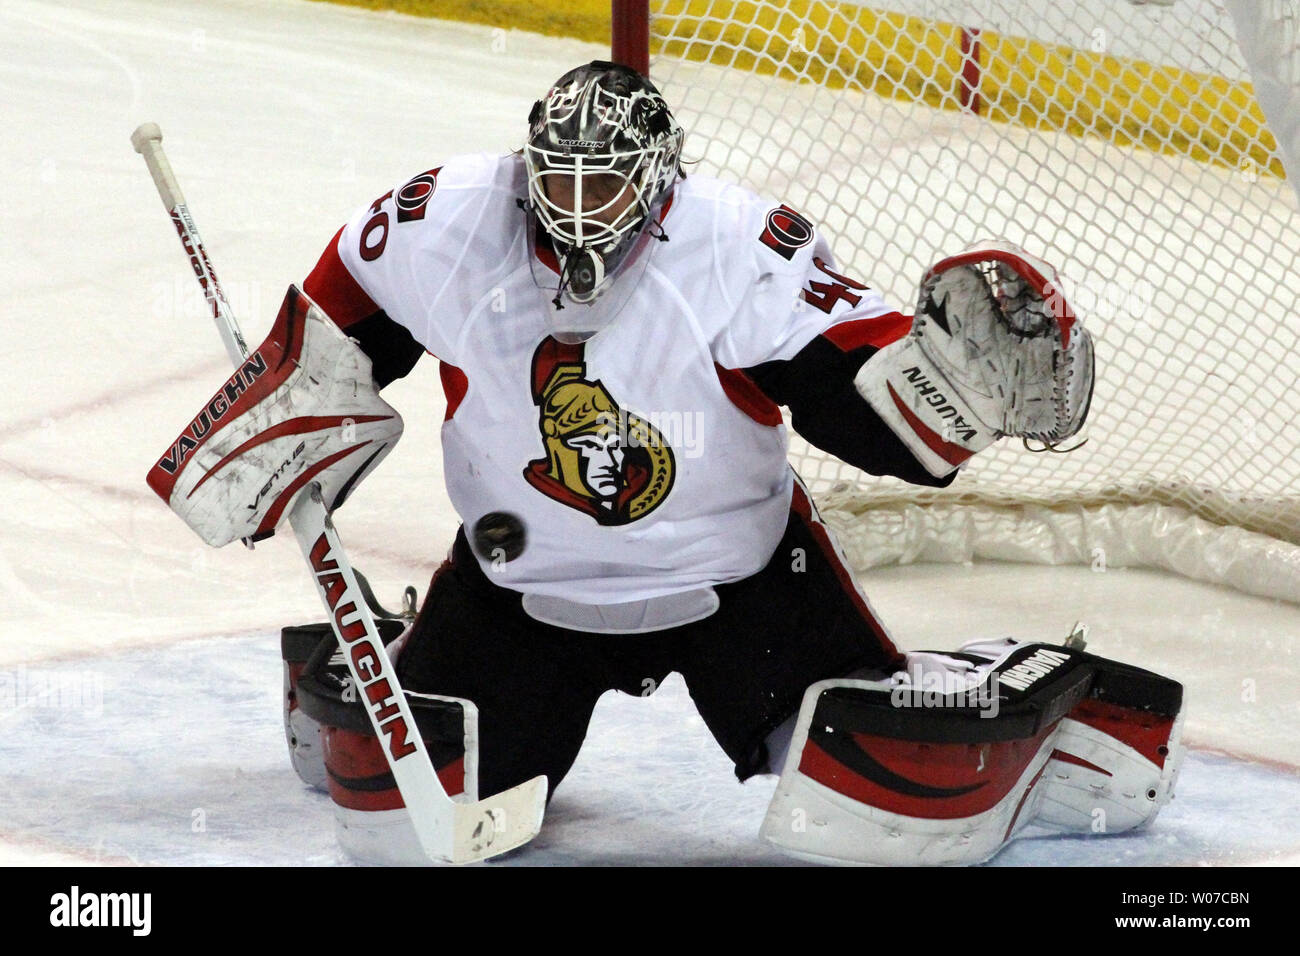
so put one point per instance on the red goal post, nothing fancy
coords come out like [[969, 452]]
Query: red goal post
[[1123, 141], [630, 34]]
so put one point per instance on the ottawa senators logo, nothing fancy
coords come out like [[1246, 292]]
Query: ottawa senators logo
[[600, 459], [785, 231]]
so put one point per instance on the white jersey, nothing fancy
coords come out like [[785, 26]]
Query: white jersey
[[643, 462]]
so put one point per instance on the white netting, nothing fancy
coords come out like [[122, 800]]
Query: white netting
[[1119, 141]]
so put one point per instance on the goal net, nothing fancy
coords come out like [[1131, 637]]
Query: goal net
[[1123, 142]]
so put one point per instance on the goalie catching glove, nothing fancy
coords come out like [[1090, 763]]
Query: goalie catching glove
[[302, 408], [994, 350]]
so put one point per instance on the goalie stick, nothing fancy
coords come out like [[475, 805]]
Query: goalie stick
[[448, 831]]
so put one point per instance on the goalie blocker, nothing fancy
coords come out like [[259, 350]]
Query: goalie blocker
[[302, 408], [947, 762]]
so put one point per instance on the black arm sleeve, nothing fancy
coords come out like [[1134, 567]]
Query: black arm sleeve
[[391, 348], [826, 409]]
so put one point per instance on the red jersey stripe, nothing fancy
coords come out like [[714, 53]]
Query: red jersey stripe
[[332, 287]]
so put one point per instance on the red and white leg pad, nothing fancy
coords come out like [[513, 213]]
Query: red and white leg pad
[[1111, 768], [947, 762], [333, 746]]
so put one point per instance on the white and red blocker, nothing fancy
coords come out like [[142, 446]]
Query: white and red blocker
[[301, 408]]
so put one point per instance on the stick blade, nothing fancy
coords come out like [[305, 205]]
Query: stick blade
[[500, 823]]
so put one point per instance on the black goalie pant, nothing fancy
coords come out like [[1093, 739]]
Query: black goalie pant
[[799, 620]]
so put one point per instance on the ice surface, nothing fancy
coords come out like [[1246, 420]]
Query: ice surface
[[174, 755], [139, 674]]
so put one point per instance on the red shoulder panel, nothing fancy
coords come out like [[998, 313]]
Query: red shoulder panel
[[332, 287]]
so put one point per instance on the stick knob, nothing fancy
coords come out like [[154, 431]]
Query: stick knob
[[147, 140], [144, 134]]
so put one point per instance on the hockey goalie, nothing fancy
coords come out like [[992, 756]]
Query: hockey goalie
[[580, 296]]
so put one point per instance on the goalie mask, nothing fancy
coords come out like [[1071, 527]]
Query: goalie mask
[[602, 155]]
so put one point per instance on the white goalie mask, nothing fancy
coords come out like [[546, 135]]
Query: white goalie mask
[[602, 155]]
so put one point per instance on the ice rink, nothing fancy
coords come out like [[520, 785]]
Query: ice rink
[[139, 670]]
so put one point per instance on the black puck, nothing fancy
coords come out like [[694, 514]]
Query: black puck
[[499, 536]]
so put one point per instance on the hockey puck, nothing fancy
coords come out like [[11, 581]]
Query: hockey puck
[[499, 536]]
